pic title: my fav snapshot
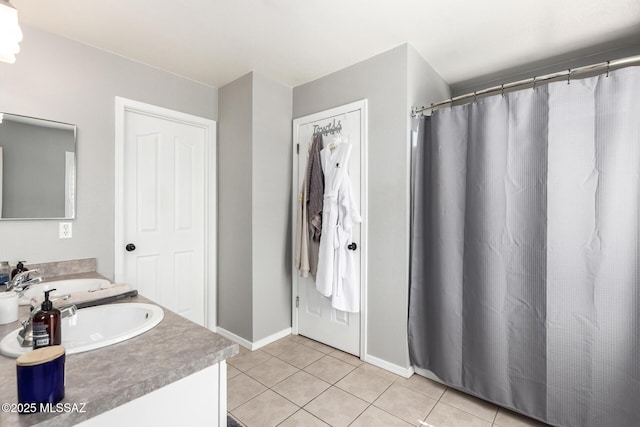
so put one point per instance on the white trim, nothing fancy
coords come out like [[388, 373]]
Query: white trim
[[254, 345], [364, 230], [364, 204], [222, 393], [123, 105], [387, 366], [428, 374], [271, 338], [295, 274]]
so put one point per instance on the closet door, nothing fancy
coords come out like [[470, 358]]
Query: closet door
[[312, 314], [165, 203]]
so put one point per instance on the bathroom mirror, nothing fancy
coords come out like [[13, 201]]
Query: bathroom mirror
[[37, 168]]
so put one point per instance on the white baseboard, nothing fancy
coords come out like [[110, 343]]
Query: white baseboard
[[388, 366], [271, 338], [254, 345]]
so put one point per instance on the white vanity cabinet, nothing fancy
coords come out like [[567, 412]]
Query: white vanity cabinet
[[199, 399]]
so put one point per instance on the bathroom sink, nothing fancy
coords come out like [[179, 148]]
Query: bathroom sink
[[96, 327], [63, 288]]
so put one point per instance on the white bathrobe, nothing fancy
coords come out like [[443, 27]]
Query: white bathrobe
[[336, 277]]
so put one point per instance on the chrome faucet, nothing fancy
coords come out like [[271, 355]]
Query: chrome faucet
[[25, 336], [21, 281]]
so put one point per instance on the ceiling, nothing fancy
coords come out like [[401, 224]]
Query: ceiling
[[296, 41]]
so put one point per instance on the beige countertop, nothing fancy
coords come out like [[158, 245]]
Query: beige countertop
[[105, 378]]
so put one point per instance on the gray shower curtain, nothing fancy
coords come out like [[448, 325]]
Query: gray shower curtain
[[525, 266]]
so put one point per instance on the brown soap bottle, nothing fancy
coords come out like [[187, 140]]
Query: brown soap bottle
[[19, 269], [46, 324]]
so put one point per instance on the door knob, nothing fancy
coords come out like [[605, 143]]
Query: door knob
[[352, 246], [130, 247]]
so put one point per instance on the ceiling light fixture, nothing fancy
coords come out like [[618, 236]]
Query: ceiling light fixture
[[10, 33]]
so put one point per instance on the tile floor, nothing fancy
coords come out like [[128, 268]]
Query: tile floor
[[299, 382]]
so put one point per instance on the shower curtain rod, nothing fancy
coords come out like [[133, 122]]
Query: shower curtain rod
[[568, 74]]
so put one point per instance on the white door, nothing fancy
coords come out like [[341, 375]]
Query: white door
[[164, 229], [313, 315]]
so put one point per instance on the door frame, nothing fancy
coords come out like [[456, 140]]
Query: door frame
[[123, 106], [364, 182]]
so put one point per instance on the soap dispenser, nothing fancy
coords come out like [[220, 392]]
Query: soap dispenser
[[19, 269], [46, 324]]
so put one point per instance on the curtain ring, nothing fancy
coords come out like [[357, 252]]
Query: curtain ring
[[474, 97], [569, 76], [534, 82], [608, 62]]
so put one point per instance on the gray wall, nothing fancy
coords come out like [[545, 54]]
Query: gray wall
[[254, 279], [235, 256], [34, 169], [384, 81], [272, 171], [58, 79]]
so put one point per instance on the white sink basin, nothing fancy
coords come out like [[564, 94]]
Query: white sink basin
[[64, 287], [96, 327]]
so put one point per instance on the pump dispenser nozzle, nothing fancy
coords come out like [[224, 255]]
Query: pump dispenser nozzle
[[47, 304]]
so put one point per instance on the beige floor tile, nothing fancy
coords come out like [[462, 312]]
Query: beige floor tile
[[363, 384], [318, 346], [301, 388], [407, 404], [267, 409], [336, 407], [271, 372], [299, 339], [329, 369], [232, 372], [241, 389], [248, 359], [379, 371], [346, 357], [281, 346], [374, 417], [470, 404], [444, 415], [303, 419], [301, 356], [506, 418], [423, 385]]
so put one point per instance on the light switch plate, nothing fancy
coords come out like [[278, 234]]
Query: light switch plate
[[65, 230]]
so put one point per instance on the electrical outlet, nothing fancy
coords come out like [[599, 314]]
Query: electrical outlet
[[65, 230]]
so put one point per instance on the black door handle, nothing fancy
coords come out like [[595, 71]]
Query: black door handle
[[352, 246], [130, 247]]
